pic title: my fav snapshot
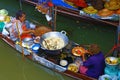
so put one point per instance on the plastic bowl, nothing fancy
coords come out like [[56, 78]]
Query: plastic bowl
[[111, 61]]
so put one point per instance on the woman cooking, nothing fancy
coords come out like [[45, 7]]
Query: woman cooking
[[95, 64], [19, 27]]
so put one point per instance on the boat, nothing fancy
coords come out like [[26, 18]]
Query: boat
[[50, 62], [75, 14], [44, 60]]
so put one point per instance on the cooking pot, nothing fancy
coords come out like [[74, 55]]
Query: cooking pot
[[54, 34], [27, 39], [27, 42]]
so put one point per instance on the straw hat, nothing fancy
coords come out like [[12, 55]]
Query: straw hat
[[105, 12]]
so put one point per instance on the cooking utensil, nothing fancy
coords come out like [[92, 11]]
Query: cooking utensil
[[27, 39], [54, 34]]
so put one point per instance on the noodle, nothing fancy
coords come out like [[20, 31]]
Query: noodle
[[53, 43]]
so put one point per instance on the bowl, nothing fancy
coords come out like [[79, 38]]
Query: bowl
[[27, 39], [73, 67], [35, 48], [63, 62], [105, 77], [111, 60]]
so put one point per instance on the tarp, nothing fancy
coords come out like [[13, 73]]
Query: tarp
[[58, 3], [62, 3]]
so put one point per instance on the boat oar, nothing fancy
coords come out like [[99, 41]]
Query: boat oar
[[20, 40]]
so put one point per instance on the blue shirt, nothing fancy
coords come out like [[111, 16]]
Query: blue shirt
[[95, 65]]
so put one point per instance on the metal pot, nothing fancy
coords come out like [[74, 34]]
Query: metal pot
[[27, 42], [27, 39], [56, 34]]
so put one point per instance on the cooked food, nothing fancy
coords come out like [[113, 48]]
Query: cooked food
[[73, 67], [112, 4], [40, 30], [53, 43], [105, 12], [90, 10], [78, 51], [111, 60], [118, 12]]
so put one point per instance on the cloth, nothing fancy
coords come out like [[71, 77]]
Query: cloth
[[95, 65], [63, 4], [2, 24], [24, 28], [14, 31], [80, 3], [83, 69]]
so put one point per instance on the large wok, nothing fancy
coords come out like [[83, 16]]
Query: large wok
[[56, 34]]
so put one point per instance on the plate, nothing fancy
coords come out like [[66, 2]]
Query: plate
[[78, 51]]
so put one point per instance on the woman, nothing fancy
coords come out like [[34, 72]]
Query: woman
[[19, 27], [95, 64]]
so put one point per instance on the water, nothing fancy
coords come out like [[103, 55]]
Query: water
[[13, 67]]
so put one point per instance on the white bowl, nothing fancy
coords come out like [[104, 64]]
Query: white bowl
[[111, 60]]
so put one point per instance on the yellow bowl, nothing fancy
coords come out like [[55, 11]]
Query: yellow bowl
[[73, 67]]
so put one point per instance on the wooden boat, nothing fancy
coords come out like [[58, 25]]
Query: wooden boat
[[46, 62], [75, 14]]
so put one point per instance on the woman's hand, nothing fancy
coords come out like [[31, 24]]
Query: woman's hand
[[32, 31]]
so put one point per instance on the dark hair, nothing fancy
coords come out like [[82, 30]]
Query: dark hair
[[19, 14], [94, 49]]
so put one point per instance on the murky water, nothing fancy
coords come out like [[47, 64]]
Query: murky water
[[13, 67]]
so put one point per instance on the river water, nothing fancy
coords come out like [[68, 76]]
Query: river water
[[13, 67]]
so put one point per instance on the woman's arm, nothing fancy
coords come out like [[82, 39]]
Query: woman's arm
[[88, 62], [28, 31]]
